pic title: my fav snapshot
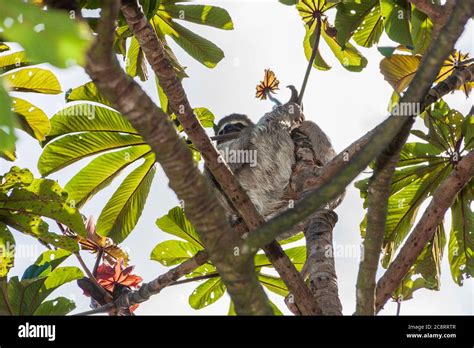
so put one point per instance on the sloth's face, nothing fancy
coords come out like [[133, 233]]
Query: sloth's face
[[232, 127]]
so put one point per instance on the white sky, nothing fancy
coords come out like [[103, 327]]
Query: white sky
[[345, 105]]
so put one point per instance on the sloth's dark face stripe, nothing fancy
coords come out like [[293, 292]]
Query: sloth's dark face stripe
[[231, 128]]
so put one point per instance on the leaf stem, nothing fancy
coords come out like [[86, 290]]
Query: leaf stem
[[317, 32]]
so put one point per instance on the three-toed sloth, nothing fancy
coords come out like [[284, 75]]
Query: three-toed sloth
[[262, 155]]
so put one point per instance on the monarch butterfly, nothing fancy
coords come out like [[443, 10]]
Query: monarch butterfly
[[268, 85]]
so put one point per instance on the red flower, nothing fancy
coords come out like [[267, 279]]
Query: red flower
[[108, 276]]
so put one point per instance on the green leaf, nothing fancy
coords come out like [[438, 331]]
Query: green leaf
[[58, 306], [42, 197], [461, 239], [201, 49], [292, 239], [350, 58], [12, 61], [50, 36], [34, 80], [201, 14], [370, 31], [396, 14], [403, 207], [205, 116], [34, 226], [24, 297], [135, 62], [87, 92], [75, 147], [173, 252], [7, 250], [176, 223], [87, 117], [32, 119], [274, 284], [427, 265], [350, 18], [207, 293], [99, 173], [399, 70], [122, 211], [421, 31], [52, 258], [288, 2], [468, 132], [308, 44], [7, 122], [3, 47]]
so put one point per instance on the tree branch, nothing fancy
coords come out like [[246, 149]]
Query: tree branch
[[424, 231], [379, 183], [171, 84], [320, 262], [460, 77], [185, 179]]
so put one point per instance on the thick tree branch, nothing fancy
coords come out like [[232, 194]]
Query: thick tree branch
[[424, 231], [383, 135], [460, 77], [379, 183], [155, 127], [171, 84], [320, 262]]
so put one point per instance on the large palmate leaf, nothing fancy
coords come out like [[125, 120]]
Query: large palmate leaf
[[23, 200], [420, 170], [83, 130], [350, 58], [89, 127], [399, 70], [27, 296], [164, 22], [47, 36]]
